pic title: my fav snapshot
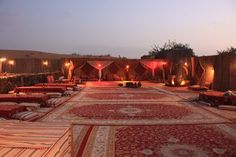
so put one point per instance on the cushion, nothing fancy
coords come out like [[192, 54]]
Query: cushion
[[27, 115], [30, 106]]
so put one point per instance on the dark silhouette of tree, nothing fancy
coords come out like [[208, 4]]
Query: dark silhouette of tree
[[228, 51], [171, 50]]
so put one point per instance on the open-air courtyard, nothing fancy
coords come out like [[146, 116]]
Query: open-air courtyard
[[149, 121], [118, 78]]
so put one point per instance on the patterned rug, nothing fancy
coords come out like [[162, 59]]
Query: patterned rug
[[130, 111], [119, 89], [161, 141], [112, 96]]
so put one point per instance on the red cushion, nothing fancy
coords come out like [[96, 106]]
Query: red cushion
[[7, 111]]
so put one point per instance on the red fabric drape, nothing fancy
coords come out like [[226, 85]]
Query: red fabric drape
[[99, 64], [70, 71], [151, 64], [199, 69]]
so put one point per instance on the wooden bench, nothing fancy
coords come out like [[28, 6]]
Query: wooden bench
[[35, 139]]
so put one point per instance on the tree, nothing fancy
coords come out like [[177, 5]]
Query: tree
[[228, 51], [171, 50]]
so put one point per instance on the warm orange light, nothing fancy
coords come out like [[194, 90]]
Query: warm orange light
[[3, 59], [173, 82], [45, 63], [163, 63], [212, 71], [186, 64], [99, 65], [67, 64], [11, 62], [127, 66], [182, 83]]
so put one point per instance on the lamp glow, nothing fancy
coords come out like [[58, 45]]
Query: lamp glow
[[67, 64], [45, 63], [182, 83], [11, 62], [3, 59]]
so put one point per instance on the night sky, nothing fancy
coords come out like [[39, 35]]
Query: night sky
[[127, 28]]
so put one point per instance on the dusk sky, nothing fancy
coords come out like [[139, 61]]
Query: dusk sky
[[128, 28]]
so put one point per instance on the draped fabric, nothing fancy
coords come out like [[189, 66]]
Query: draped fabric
[[87, 68], [140, 69], [78, 67], [99, 65], [151, 65], [113, 68], [199, 69], [71, 69]]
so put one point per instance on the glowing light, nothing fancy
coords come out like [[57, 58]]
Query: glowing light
[[3, 59], [45, 63], [11, 62], [99, 65], [186, 64], [182, 83], [67, 64], [212, 70], [212, 73], [163, 63], [173, 82], [127, 66]]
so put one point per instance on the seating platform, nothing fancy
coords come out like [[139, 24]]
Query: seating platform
[[67, 85], [36, 139], [6, 111], [198, 88], [39, 89], [216, 98], [36, 98]]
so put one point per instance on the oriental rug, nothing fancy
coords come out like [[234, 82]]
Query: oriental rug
[[214, 140], [125, 96], [132, 113]]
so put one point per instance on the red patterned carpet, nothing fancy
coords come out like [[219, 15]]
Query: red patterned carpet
[[130, 111], [148, 122], [99, 89], [161, 141], [112, 96]]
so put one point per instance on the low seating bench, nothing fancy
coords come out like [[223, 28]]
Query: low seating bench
[[198, 88], [39, 89], [67, 85], [37, 98], [217, 98], [6, 111]]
